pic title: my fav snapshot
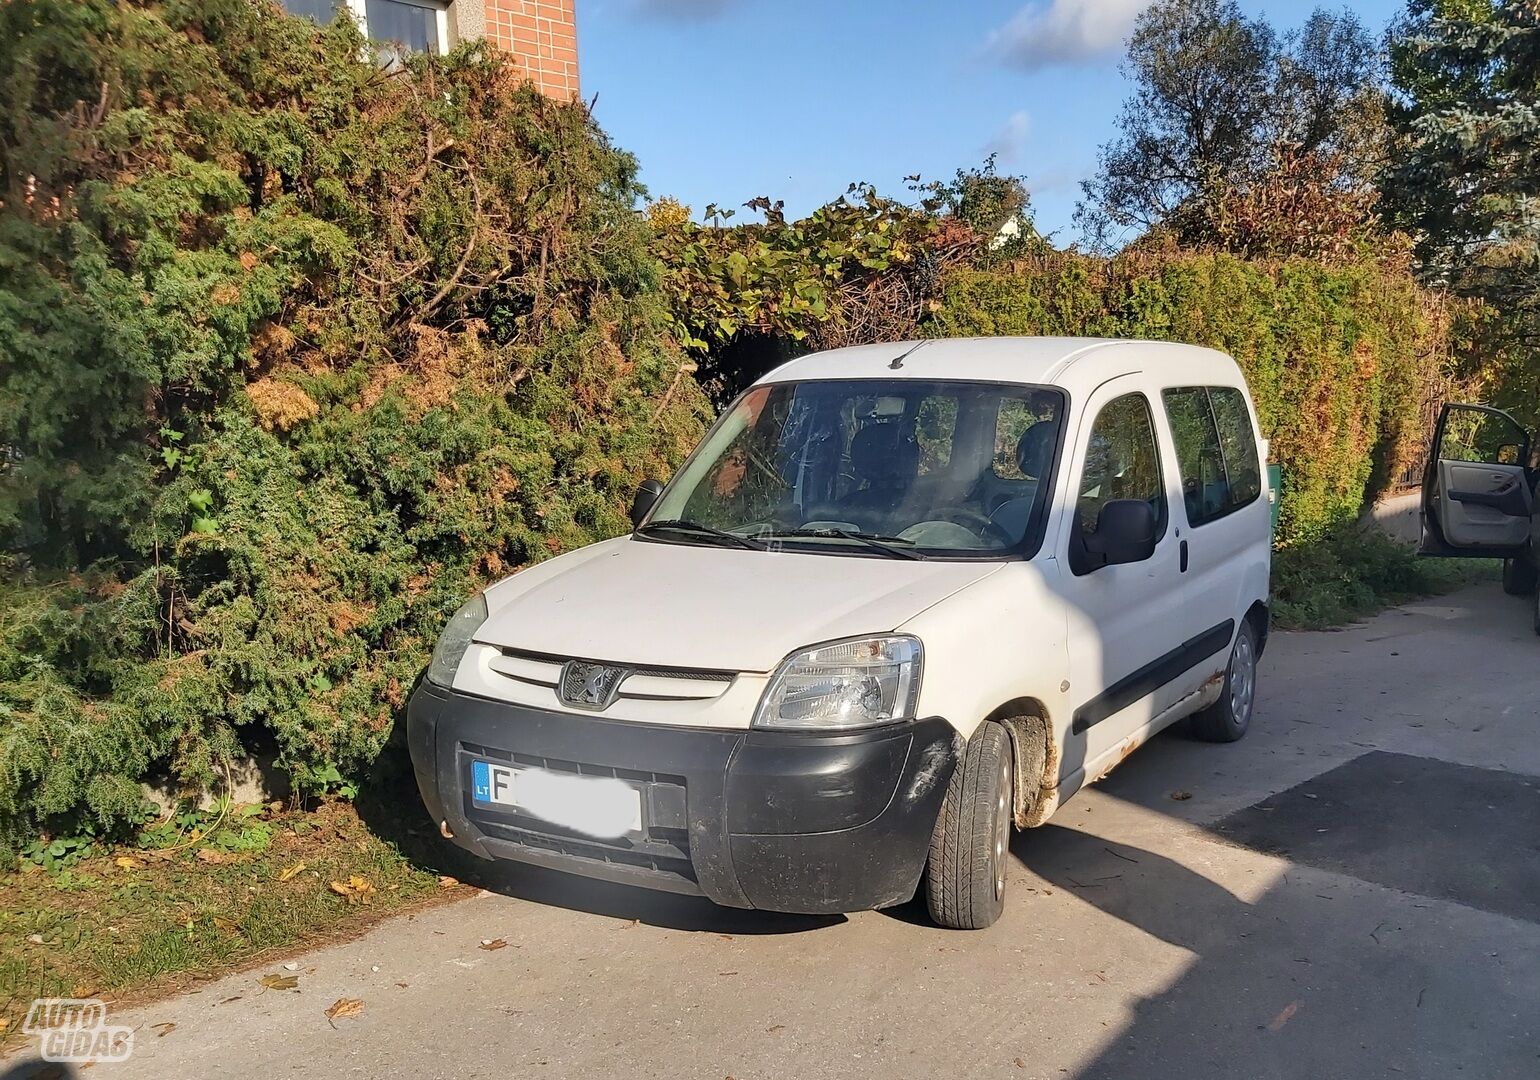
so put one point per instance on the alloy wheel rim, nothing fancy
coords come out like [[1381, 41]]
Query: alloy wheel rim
[[1242, 680]]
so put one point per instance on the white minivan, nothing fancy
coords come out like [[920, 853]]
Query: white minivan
[[901, 598]]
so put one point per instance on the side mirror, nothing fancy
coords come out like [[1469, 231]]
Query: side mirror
[[1125, 533], [647, 493]]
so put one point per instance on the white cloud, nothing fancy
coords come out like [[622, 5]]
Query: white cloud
[[1010, 142], [1049, 32]]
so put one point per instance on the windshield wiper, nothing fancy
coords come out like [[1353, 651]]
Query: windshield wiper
[[887, 545], [680, 525]]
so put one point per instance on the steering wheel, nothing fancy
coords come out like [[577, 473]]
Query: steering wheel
[[972, 519]]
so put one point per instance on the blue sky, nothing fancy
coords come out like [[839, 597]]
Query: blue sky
[[723, 100]]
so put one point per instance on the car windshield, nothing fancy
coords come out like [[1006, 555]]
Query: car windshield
[[897, 467]]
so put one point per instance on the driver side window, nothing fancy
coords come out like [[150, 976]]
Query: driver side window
[[1122, 462]]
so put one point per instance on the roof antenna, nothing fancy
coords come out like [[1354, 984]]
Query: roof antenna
[[898, 361]]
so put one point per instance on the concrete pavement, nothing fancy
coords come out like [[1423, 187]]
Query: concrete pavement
[[1335, 898]]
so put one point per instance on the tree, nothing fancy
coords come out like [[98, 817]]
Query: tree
[[1222, 102], [1328, 95], [1468, 178]]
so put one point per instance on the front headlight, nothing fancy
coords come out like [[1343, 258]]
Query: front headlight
[[844, 684], [455, 639]]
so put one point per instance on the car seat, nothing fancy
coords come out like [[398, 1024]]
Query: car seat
[[887, 459]]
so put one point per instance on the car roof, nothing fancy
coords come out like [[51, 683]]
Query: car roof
[[1076, 364]]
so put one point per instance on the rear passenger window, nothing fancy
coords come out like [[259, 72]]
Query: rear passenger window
[[1215, 449], [935, 424], [1029, 459]]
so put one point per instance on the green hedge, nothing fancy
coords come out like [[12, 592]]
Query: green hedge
[[1339, 359], [297, 353]]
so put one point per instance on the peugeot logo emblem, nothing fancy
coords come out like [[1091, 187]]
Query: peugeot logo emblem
[[590, 686]]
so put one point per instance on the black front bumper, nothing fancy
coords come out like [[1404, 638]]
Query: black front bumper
[[795, 822]]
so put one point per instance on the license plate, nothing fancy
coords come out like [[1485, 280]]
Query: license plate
[[596, 806]]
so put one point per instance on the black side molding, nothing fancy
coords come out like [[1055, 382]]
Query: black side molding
[[1152, 676]]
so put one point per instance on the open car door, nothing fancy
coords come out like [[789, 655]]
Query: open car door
[[1477, 495]]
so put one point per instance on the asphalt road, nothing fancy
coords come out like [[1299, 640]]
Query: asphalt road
[[1352, 891]]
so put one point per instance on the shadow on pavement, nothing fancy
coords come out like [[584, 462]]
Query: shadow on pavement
[[626, 902], [40, 1070], [1320, 976]]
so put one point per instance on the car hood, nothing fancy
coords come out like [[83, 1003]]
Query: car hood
[[694, 606]]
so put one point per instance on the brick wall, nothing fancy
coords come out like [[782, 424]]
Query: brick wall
[[541, 35]]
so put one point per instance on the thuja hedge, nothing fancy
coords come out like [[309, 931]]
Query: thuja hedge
[[295, 352], [1341, 359]]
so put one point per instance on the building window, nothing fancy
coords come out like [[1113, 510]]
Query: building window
[[397, 26]]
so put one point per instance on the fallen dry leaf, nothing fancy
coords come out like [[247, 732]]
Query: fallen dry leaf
[[230, 926], [344, 1008], [162, 1030], [280, 982], [289, 871], [493, 944], [4, 1023], [1020, 1064], [128, 862], [1283, 1017], [355, 889], [447, 882], [1181, 796], [773, 1028], [214, 856], [84, 990]]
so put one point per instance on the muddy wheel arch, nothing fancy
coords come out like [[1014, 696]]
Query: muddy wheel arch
[[1037, 759]]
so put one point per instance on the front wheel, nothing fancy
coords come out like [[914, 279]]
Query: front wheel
[[1228, 718], [1518, 576], [965, 877]]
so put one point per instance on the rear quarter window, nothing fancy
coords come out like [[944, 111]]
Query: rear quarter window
[[1216, 450]]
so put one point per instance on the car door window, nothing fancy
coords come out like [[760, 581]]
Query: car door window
[[1483, 436], [1216, 450], [1121, 462]]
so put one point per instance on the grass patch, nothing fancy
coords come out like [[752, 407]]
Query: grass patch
[[1356, 571], [132, 921]]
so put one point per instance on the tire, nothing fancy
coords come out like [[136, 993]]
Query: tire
[[969, 849], [1519, 576], [1228, 718]]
